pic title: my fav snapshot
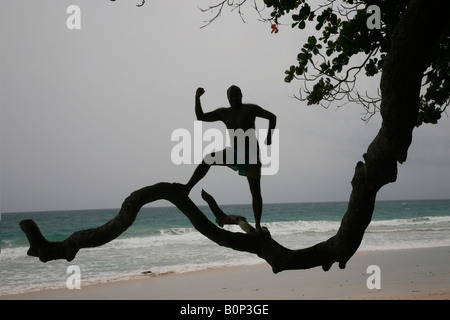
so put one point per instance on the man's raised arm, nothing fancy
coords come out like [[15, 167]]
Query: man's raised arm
[[201, 116]]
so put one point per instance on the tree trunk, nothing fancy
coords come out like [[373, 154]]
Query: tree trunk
[[413, 42]]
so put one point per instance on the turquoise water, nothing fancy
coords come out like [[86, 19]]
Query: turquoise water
[[163, 240]]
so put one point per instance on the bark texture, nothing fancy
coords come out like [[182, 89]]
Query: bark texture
[[414, 40]]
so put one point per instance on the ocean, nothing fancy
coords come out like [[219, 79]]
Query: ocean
[[162, 240]]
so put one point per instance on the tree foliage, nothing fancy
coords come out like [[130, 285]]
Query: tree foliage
[[332, 61]]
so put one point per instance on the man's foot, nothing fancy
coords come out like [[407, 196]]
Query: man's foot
[[258, 228]]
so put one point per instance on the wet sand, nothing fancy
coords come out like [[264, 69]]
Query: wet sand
[[403, 274]]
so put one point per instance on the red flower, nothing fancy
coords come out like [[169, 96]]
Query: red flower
[[274, 28]]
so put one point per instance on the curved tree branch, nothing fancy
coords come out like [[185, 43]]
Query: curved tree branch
[[222, 218], [414, 40]]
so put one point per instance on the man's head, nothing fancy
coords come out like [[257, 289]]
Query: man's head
[[234, 96]]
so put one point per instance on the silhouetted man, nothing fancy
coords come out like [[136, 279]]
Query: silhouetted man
[[242, 157]]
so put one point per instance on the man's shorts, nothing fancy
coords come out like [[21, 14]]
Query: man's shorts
[[242, 160]]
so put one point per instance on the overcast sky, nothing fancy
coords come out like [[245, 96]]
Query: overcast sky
[[87, 115]]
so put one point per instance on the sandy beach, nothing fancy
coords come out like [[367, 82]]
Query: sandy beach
[[403, 274]]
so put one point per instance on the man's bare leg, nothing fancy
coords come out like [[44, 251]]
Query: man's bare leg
[[199, 173], [257, 202]]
